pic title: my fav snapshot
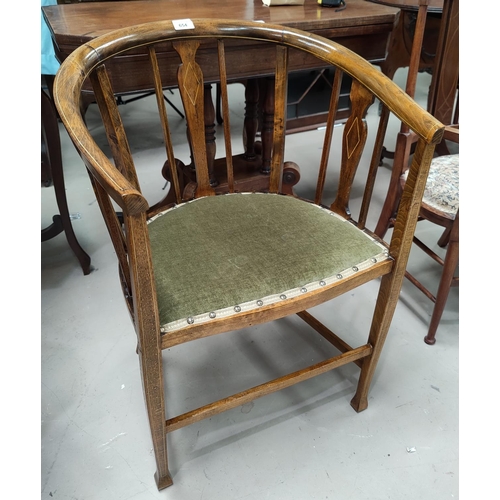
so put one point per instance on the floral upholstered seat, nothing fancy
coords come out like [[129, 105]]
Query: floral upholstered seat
[[441, 191]]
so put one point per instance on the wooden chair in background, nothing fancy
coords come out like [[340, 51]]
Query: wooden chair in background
[[441, 200], [208, 264], [440, 206]]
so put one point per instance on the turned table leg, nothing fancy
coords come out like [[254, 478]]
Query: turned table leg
[[251, 121]]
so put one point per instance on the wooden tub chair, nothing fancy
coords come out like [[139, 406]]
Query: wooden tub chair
[[219, 255]]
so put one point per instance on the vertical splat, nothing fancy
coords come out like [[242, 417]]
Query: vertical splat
[[225, 115], [164, 123], [280, 97], [353, 143], [117, 138], [332, 113], [191, 88], [374, 166]]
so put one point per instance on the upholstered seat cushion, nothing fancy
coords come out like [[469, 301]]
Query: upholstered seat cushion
[[441, 190], [280, 247]]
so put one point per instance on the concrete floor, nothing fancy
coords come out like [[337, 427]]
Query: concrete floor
[[305, 442]]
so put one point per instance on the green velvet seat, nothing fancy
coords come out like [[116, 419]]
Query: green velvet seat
[[280, 247]]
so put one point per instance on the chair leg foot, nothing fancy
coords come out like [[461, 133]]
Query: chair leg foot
[[359, 403], [163, 482], [431, 340]]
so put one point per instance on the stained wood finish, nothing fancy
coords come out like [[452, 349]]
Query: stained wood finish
[[116, 181], [353, 144], [364, 27], [75, 24], [244, 397], [52, 164]]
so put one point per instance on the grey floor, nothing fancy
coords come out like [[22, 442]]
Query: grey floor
[[305, 442]]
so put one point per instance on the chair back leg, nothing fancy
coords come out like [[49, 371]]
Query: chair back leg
[[447, 281]]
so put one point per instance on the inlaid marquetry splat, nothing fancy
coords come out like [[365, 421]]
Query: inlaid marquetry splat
[[353, 137], [191, 84]]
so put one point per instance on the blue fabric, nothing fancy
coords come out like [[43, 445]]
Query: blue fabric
[[50, 65]]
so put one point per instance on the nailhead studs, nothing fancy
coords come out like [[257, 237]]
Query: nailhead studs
[[212, 315], [190, 320], [374, 260], [354, 268], [303, 289], [237, 309], [339, 276], [322, 283], [282, 296], [260, 303]]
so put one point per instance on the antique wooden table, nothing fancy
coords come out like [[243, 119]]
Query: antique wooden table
[[364, 27], [401, 43]]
